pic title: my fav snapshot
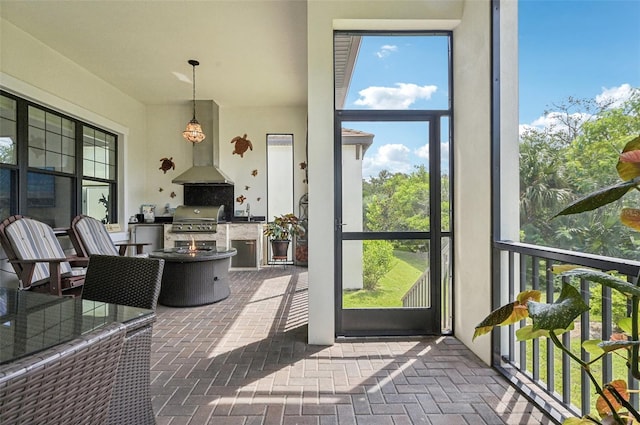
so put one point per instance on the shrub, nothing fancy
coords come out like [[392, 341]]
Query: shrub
[[377, 261]]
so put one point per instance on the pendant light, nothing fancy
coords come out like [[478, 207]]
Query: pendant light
[[193, 132]]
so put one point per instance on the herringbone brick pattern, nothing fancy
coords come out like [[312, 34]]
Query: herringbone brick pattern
[[245, 361]]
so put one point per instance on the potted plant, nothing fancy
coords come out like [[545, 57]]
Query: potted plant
[[551, 319], [280, 231]]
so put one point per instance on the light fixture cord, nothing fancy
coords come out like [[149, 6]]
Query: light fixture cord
[[194, 92]]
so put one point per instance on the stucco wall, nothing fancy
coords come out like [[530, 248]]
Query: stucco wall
[[31, 69], [147, 132], [472, 187], [323, 18]]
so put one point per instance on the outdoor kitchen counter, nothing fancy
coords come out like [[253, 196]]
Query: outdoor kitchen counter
[[194, 278]]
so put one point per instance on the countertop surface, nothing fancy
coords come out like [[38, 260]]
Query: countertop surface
[[235, 220]]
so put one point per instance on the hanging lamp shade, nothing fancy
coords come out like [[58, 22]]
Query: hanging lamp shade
[[193, 133]]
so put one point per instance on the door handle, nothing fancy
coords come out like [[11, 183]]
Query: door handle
[[339, 223]]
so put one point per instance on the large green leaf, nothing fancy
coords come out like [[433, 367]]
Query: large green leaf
[[628, 166], [526, 332], [508, 313], [599, 198], [592, 347], [604, 279], [630, 217], [632, 143], [561, 313], [626, 325], [494, 318]]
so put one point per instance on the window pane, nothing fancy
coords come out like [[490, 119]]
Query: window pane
[[100, 170], [36, 138], [36, 117], [87, 168], [51, 140], [98, 153], [52, 145], [385, 176], [68, 164], [49, 198], [391, 71], [7, 185], [8, 138], [96, 200], [386, 274], [54, 123], [8, 132], [445, 181], [54, 142], [68, 146], [68, 128], [7, 108], [53, 161], [36, 158]]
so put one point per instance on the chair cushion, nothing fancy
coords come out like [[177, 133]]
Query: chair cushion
[[34, 240], [95, 238]]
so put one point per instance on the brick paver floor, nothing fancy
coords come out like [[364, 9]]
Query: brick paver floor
[[245, 361]]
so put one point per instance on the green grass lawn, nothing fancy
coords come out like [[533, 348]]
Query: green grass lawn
[[406, 269], [619, 369]]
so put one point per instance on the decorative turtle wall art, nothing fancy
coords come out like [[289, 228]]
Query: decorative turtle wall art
[[240, 199], [167, 164], [241, 145]]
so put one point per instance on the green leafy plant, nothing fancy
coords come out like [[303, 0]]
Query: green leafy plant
[[284, 227], [377, 260], [552, 319]]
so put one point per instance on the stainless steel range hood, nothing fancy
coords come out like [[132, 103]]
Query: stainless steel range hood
[[206, 156]]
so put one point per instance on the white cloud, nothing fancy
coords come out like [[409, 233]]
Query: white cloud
[[422, 152], [615, 96], [386, 50], [391, 157], [400, 97], [555, 121]]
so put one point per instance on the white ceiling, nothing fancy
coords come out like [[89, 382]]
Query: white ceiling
[[251, 52]]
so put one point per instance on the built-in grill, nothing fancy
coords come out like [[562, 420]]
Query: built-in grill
[[197, 219]]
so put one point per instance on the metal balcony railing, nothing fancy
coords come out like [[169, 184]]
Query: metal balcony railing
[[419, 295], [559, 386]]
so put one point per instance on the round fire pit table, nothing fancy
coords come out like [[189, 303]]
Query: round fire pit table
[[194, 277]]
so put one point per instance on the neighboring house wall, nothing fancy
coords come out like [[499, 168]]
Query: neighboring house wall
[[352, 215]]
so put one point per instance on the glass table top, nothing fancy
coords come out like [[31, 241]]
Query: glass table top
[[31, 322]]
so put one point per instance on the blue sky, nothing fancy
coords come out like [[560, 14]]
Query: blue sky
[[582, 48]]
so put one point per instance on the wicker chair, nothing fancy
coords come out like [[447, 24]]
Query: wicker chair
[[37, 257], [90, 237], [67, 384], [132, 281]]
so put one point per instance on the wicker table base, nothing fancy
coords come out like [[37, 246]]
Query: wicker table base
[[190, 281]]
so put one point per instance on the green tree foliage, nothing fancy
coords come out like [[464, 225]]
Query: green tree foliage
[[377, 258], [397, 202], [585, 144]]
